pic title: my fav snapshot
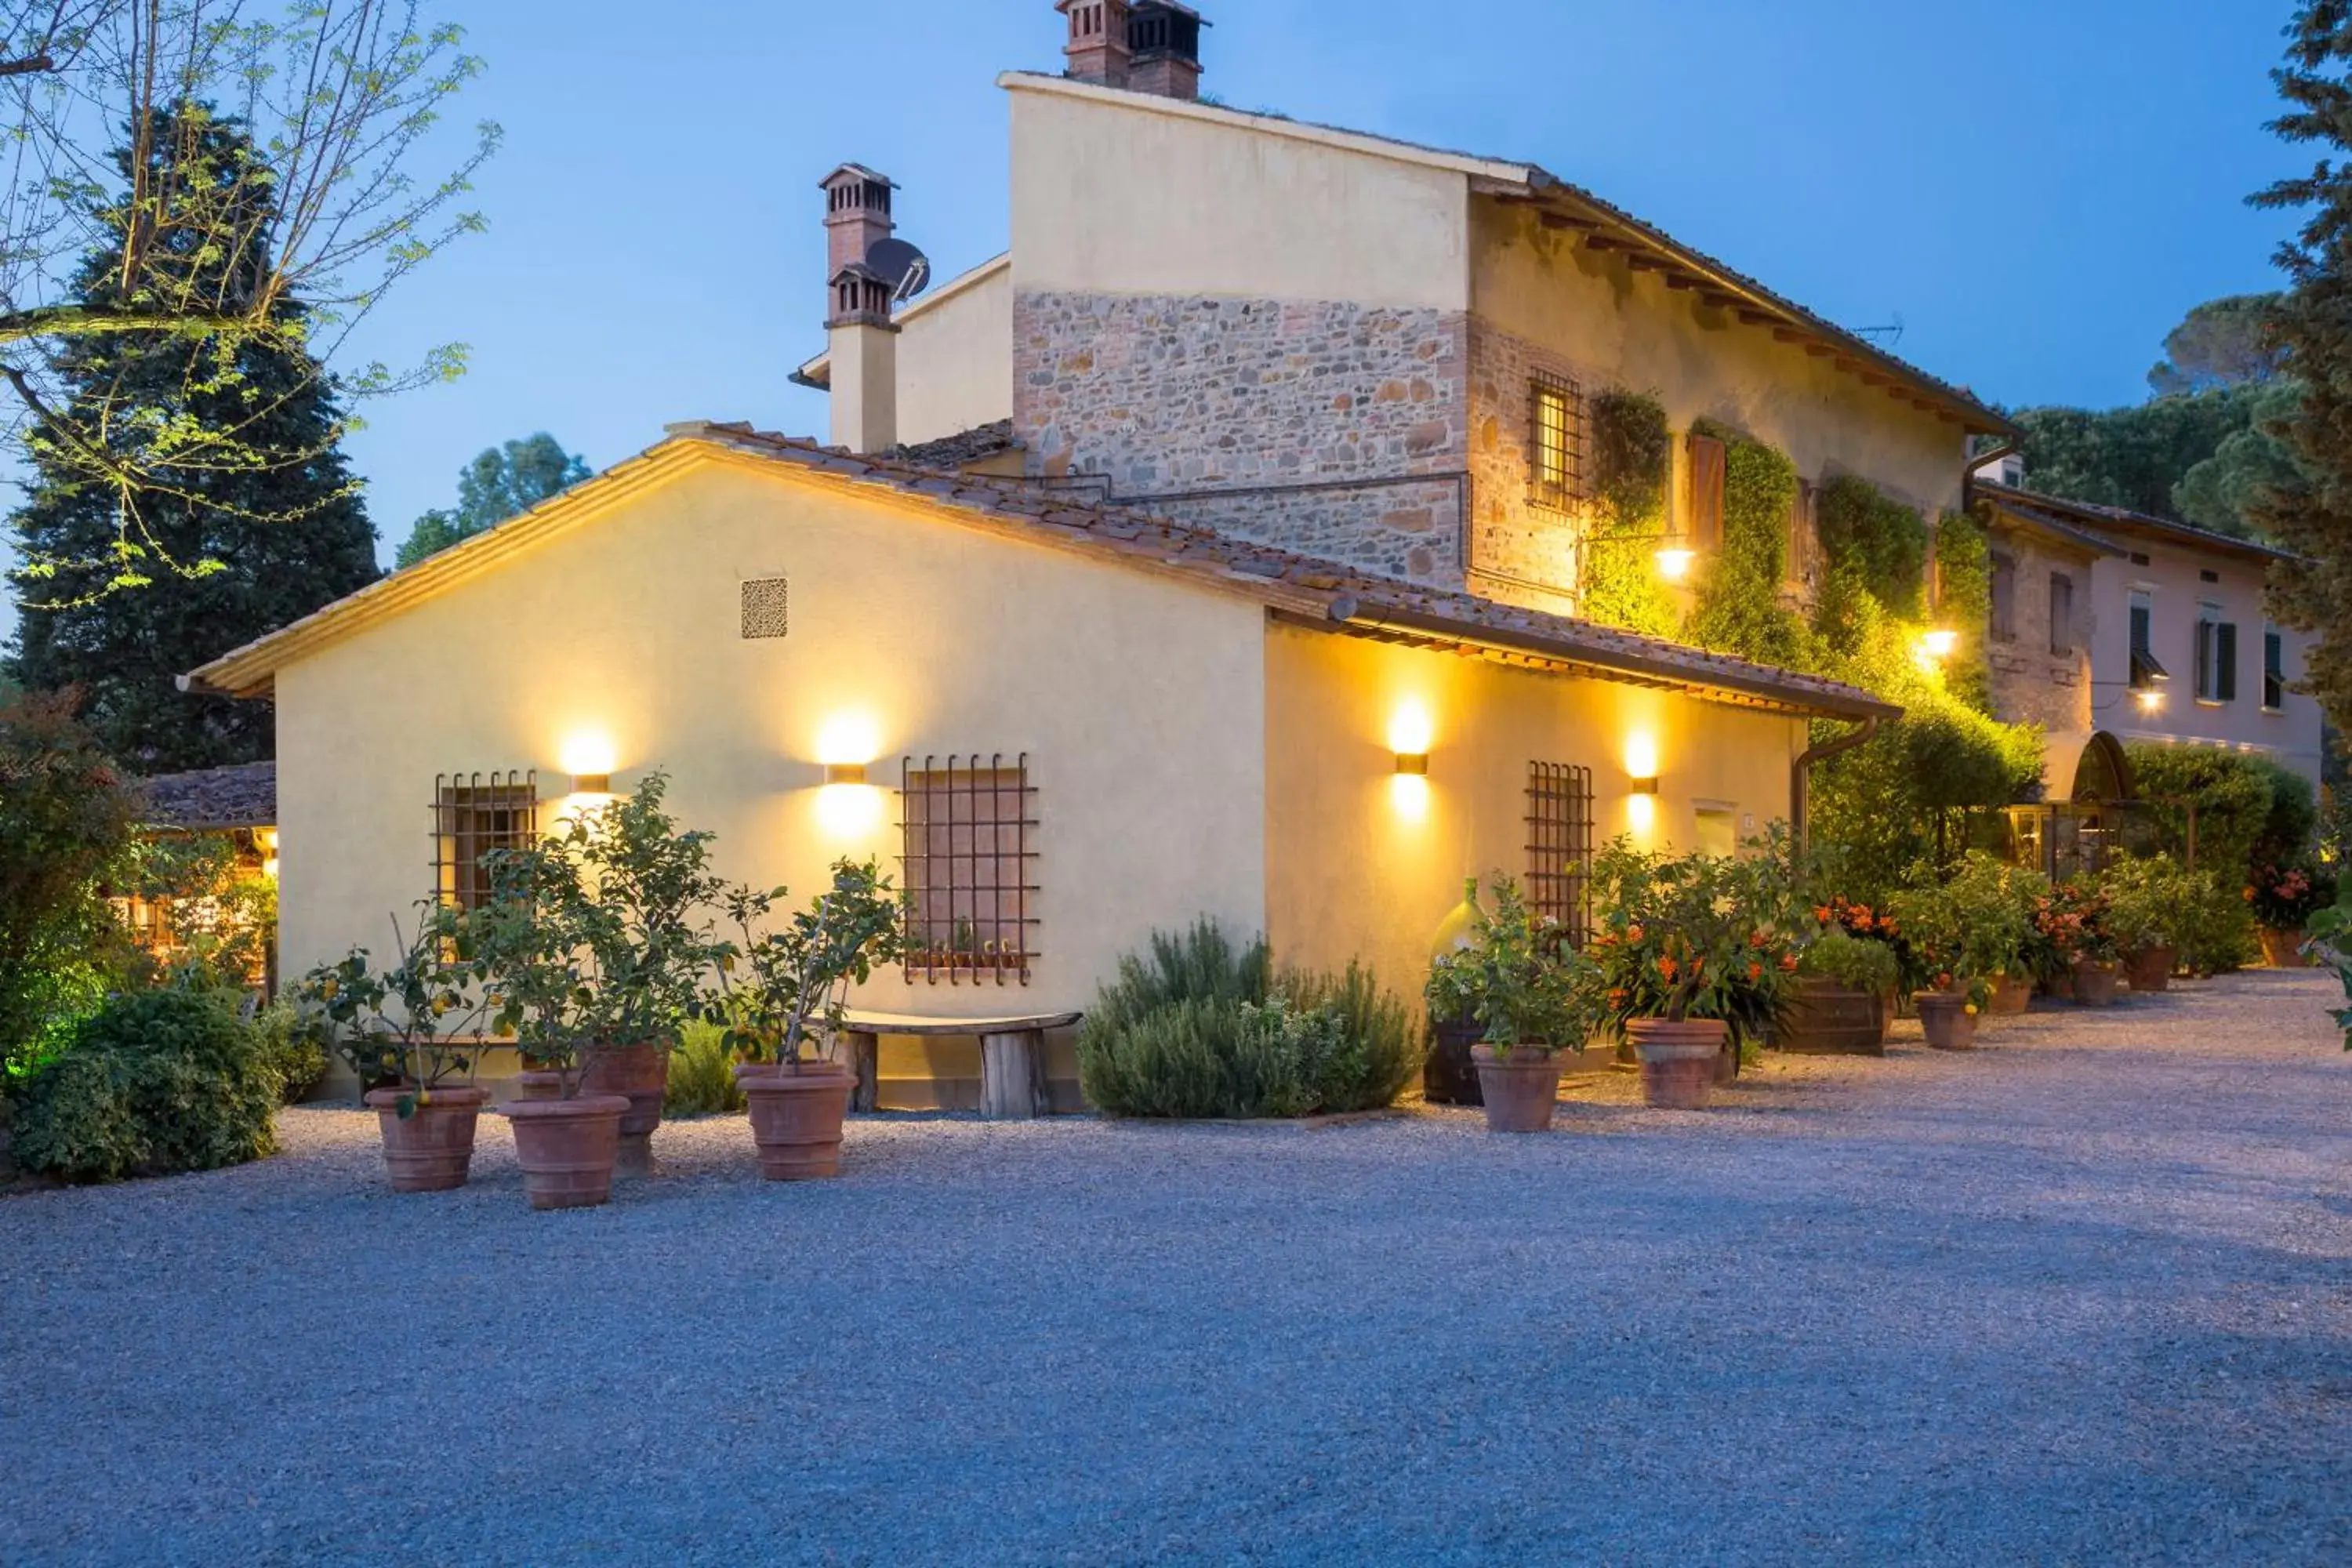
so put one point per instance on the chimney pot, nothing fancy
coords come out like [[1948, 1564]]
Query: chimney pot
[[1098, 47], [1164, 49], [856, 218]]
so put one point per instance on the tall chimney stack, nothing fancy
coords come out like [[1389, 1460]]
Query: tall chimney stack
[[863, 340], [1164, 49], [1098, 47]]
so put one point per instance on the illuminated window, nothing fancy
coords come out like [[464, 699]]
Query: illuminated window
[[969, 857], [1560, 847], [1557, 469], [474, 814]]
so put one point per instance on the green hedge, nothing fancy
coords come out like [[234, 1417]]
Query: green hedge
[[155, 1082]]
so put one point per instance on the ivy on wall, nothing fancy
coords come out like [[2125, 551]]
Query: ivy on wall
[[1879, 537], [1964, 604], [1739, 609], [1633, 461]]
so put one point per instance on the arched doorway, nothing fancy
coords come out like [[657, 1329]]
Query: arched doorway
[[2093, 812]]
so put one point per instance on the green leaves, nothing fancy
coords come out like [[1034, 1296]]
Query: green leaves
[[1516, 975], [778, 982]]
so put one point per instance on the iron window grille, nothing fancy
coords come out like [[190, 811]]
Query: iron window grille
[[1557, 472], [1560, 847], [968, 865], [473, 816]]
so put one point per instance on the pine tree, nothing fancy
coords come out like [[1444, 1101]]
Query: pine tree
[[276, 509], [2311, 511]]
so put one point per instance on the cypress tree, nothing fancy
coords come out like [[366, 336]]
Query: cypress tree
[[256, 522], [2310, 510]]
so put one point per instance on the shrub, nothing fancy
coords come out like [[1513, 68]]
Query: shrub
[[2235, 796], [2146, 898], [2285, 900], [295, 1054], [702, 1075], [156, 1081], [1516, 977], [1200, 1028], [1979, 924], [1857, 962], [2214, 930]]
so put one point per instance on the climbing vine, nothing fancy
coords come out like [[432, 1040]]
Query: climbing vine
[[1964, 604], [1739, 609], [1877, 536], [1633, 459]]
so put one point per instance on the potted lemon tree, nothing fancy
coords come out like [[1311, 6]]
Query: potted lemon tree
[[2148, 899], [411, 1033], [1530, 993], [595, 944], [782, 985], [1698, 954]]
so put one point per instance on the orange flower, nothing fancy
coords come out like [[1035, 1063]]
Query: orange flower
[[1669, 968], [1617, 998], [1788, 962], [1756, 939], [1822, 914], [1755, 972], [1634, 933]]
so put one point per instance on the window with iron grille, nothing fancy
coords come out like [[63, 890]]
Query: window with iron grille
[[969, 864], [1560, 847], [1557, 468], [474, 814]]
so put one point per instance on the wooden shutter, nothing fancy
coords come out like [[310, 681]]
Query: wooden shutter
[[1803, 536], [2225, 655], [1707, 463], [2062, 613], [2004, 598]]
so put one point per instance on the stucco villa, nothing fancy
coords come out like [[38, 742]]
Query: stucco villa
[[1217, 550], [2110, 621]]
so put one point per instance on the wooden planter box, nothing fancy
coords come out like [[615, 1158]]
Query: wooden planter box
[[1829, 1019]]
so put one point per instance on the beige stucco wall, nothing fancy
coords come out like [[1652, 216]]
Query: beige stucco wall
[[1129, 194], [1139, 702], [955, 356], [1364, 865], [1539, 297], [2291, 736]]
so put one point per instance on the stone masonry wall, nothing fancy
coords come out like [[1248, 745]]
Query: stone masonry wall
[[2030, 684], [1334, 429], [1520, 553]]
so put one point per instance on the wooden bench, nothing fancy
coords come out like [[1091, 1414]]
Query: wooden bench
[[1012, 1056]]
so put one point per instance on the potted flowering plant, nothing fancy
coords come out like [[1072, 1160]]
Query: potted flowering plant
[[781, 982], [2148, 899], [594, 944], [1948, 1011], [1839, 1006], [2284, 901], [1696, 952], [1978, 925], [2076, 918], [413, 1031], [1516, 977]]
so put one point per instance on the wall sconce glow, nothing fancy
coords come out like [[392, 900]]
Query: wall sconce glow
[[845, 773], [1641, 757], [849, 811], [1409, 796], [588, 757], [1941, 645], [2150, 701], [1675, 562], [848, 737], [1411, 731], [1641, 814]]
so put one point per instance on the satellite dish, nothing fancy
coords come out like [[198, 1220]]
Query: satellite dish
[[906, 271]]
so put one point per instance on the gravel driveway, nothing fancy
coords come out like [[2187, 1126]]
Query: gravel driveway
[[2082, 1297]]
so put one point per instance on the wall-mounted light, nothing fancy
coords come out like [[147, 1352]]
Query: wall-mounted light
[[1413, 763], [845, 773], [588, 758], [2150, 700], [1645, 785], [1941, 644], [1675, 561]]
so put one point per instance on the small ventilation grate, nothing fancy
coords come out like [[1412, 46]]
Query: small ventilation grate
[[766, 601]]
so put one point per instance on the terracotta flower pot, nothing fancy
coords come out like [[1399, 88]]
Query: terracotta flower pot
[[2096, 982], [640, 1075], [2011, 998], [541, 1083], [1678, 1061], [1519, 1091], [2284, 949], [1945, 1016], [566, 1148], [796, 1117], [2150, 968], [431, 1149]]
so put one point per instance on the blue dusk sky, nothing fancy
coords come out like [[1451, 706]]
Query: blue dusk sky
[[2036, 190]]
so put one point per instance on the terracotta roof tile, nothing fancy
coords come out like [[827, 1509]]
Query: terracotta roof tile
[[212, 798]]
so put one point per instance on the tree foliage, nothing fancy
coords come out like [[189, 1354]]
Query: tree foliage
[[329, 102], [500, 483], [2221, 343], [282, 536], [2312, 514], [64, 824]]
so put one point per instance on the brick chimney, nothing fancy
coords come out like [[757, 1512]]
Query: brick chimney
[[1163, 42], [1098, 47], [863, 340]]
